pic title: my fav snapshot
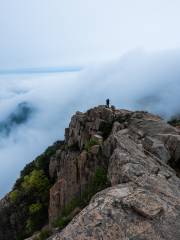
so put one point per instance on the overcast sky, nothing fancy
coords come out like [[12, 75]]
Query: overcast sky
[[42, 33], [55, 33]]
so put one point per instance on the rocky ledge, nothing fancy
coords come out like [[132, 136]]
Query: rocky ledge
[[143, 201], [135, 158]]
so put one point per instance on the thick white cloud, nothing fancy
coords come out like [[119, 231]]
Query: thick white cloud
[[59, 32], [138, 80], [45, 33]]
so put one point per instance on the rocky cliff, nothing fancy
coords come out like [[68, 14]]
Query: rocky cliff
[[115, 176]]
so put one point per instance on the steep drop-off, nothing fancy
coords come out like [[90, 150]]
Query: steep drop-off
[[129, 161]]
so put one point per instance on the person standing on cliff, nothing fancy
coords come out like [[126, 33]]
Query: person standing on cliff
[[107, 103]]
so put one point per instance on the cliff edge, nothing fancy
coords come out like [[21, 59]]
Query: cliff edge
[[115, 176]]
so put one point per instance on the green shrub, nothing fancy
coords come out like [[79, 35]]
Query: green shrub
[[35, 186], [31, 193], [14, 195], [174, 122], [62, 222], [44, 234], [50, 151], [71, 206], [26, 171], [36, 218], [89, 144], [40, 163], [72, 147], [106, 129], [36, 180], [35, 208], [30, 226], [100, 178], [98, 183]]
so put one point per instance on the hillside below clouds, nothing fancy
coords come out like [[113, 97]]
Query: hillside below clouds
[[114, 176], [35, 108]]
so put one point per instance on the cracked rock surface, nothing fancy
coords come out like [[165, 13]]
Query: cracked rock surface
[[143, 202], [140, 154]]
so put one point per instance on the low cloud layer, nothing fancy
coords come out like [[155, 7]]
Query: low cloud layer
[[137, 80]]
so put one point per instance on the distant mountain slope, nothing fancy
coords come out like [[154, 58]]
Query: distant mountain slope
[[175, 121], [20, 115]]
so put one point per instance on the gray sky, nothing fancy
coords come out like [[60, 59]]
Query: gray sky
[[36, 33]]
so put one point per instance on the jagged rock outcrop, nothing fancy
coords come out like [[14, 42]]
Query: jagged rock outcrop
[[144, 200], [75, 165], [140, 153]]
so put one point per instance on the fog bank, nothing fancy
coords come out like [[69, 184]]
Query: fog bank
[[138, 80]]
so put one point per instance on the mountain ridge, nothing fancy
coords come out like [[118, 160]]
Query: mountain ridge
[[115, 168]]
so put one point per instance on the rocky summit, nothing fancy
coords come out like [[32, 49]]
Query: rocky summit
[[115, 176]]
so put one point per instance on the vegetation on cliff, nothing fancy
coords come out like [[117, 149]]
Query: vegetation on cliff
[[98, 183], [130, 152], [31, 192], [175, 121]]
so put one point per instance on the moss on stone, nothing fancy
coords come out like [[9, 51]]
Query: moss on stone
[[90, 143]]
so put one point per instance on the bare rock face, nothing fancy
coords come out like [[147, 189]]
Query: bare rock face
[[126, 211], [143, 157], [75, 165]]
